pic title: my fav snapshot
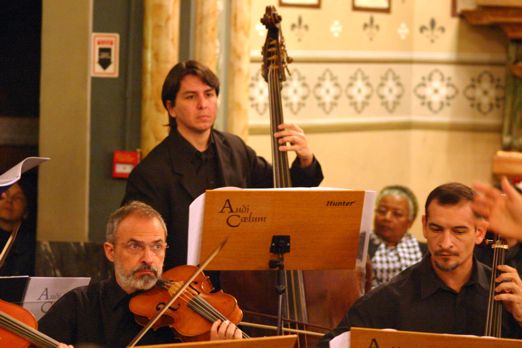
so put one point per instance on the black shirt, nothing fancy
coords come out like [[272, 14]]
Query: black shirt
[[417, 300], [97, 314], [20, 259], [204, 165]]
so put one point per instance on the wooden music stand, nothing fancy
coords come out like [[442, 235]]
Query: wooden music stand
[[324, 227], [287, 341], [281, 229], [365, 338]]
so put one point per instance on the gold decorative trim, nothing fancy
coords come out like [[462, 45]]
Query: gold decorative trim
[[387, 123]]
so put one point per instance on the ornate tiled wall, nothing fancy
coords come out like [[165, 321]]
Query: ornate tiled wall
[[413, 96], [415, 63], [322, 91]]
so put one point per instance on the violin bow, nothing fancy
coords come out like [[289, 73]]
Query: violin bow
[[178, 293]]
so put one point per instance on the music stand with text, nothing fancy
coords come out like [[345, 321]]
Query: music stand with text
[[323, 229], [365, 337]]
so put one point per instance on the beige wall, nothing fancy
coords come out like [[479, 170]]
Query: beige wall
[[420, 159], [64, 120], [425, 139]]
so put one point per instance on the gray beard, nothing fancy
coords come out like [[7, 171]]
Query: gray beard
[[143, 283]]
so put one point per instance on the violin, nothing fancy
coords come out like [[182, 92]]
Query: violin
[[18, 328], [192, 314]]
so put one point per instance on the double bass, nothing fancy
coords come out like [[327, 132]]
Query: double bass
[[317, 299]]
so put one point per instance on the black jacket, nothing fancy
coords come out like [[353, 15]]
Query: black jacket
[[164, 181]]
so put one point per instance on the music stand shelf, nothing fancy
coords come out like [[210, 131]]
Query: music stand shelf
[[364, 338], [287, 341]]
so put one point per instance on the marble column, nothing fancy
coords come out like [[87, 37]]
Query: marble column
[[205, 33], [160, 53], [238, 68]]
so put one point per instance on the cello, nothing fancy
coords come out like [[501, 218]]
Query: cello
[[493, 325], [18, 328]]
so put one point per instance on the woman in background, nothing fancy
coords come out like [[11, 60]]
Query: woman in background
[[392, 248], [17, 210]]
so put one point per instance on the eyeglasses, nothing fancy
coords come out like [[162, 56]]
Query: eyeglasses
[[137, 248]]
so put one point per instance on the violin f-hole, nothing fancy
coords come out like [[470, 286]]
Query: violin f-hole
[[160, 306]]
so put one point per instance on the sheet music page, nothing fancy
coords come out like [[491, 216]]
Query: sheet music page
[[341, 341], [13, 174], [195, 228], [366, 227]]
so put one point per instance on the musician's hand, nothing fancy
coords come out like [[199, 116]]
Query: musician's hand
[[63, 345], [503, 211], [224, 330], [292, 138], [509, 291]]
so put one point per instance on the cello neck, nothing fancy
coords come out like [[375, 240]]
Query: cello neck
[[494, 315]]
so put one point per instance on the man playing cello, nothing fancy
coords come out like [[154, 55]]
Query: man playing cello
[[447, 291]]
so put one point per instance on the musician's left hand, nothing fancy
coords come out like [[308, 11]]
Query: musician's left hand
[[224, 330], [292, 138], [509, 291]]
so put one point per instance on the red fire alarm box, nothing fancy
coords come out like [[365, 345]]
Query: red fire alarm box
[[123, 162]]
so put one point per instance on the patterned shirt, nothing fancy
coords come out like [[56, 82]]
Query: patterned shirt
[[390, 260]]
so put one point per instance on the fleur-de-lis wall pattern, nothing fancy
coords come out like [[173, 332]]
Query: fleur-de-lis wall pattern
[[382, 84]]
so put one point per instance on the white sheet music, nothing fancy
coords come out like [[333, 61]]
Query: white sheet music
[[14, 174], [341, 341], [196, 210]]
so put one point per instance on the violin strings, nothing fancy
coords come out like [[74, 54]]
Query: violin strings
[[198, 304], [25, 331]]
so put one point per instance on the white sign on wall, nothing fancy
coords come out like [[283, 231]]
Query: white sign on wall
[[105, 54]]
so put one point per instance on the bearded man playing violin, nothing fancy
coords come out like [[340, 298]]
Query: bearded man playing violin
[[99, 313], [448, 290]]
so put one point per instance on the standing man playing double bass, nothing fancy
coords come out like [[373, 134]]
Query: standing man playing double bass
[[99, 314], [448, 290], [195, 157]]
